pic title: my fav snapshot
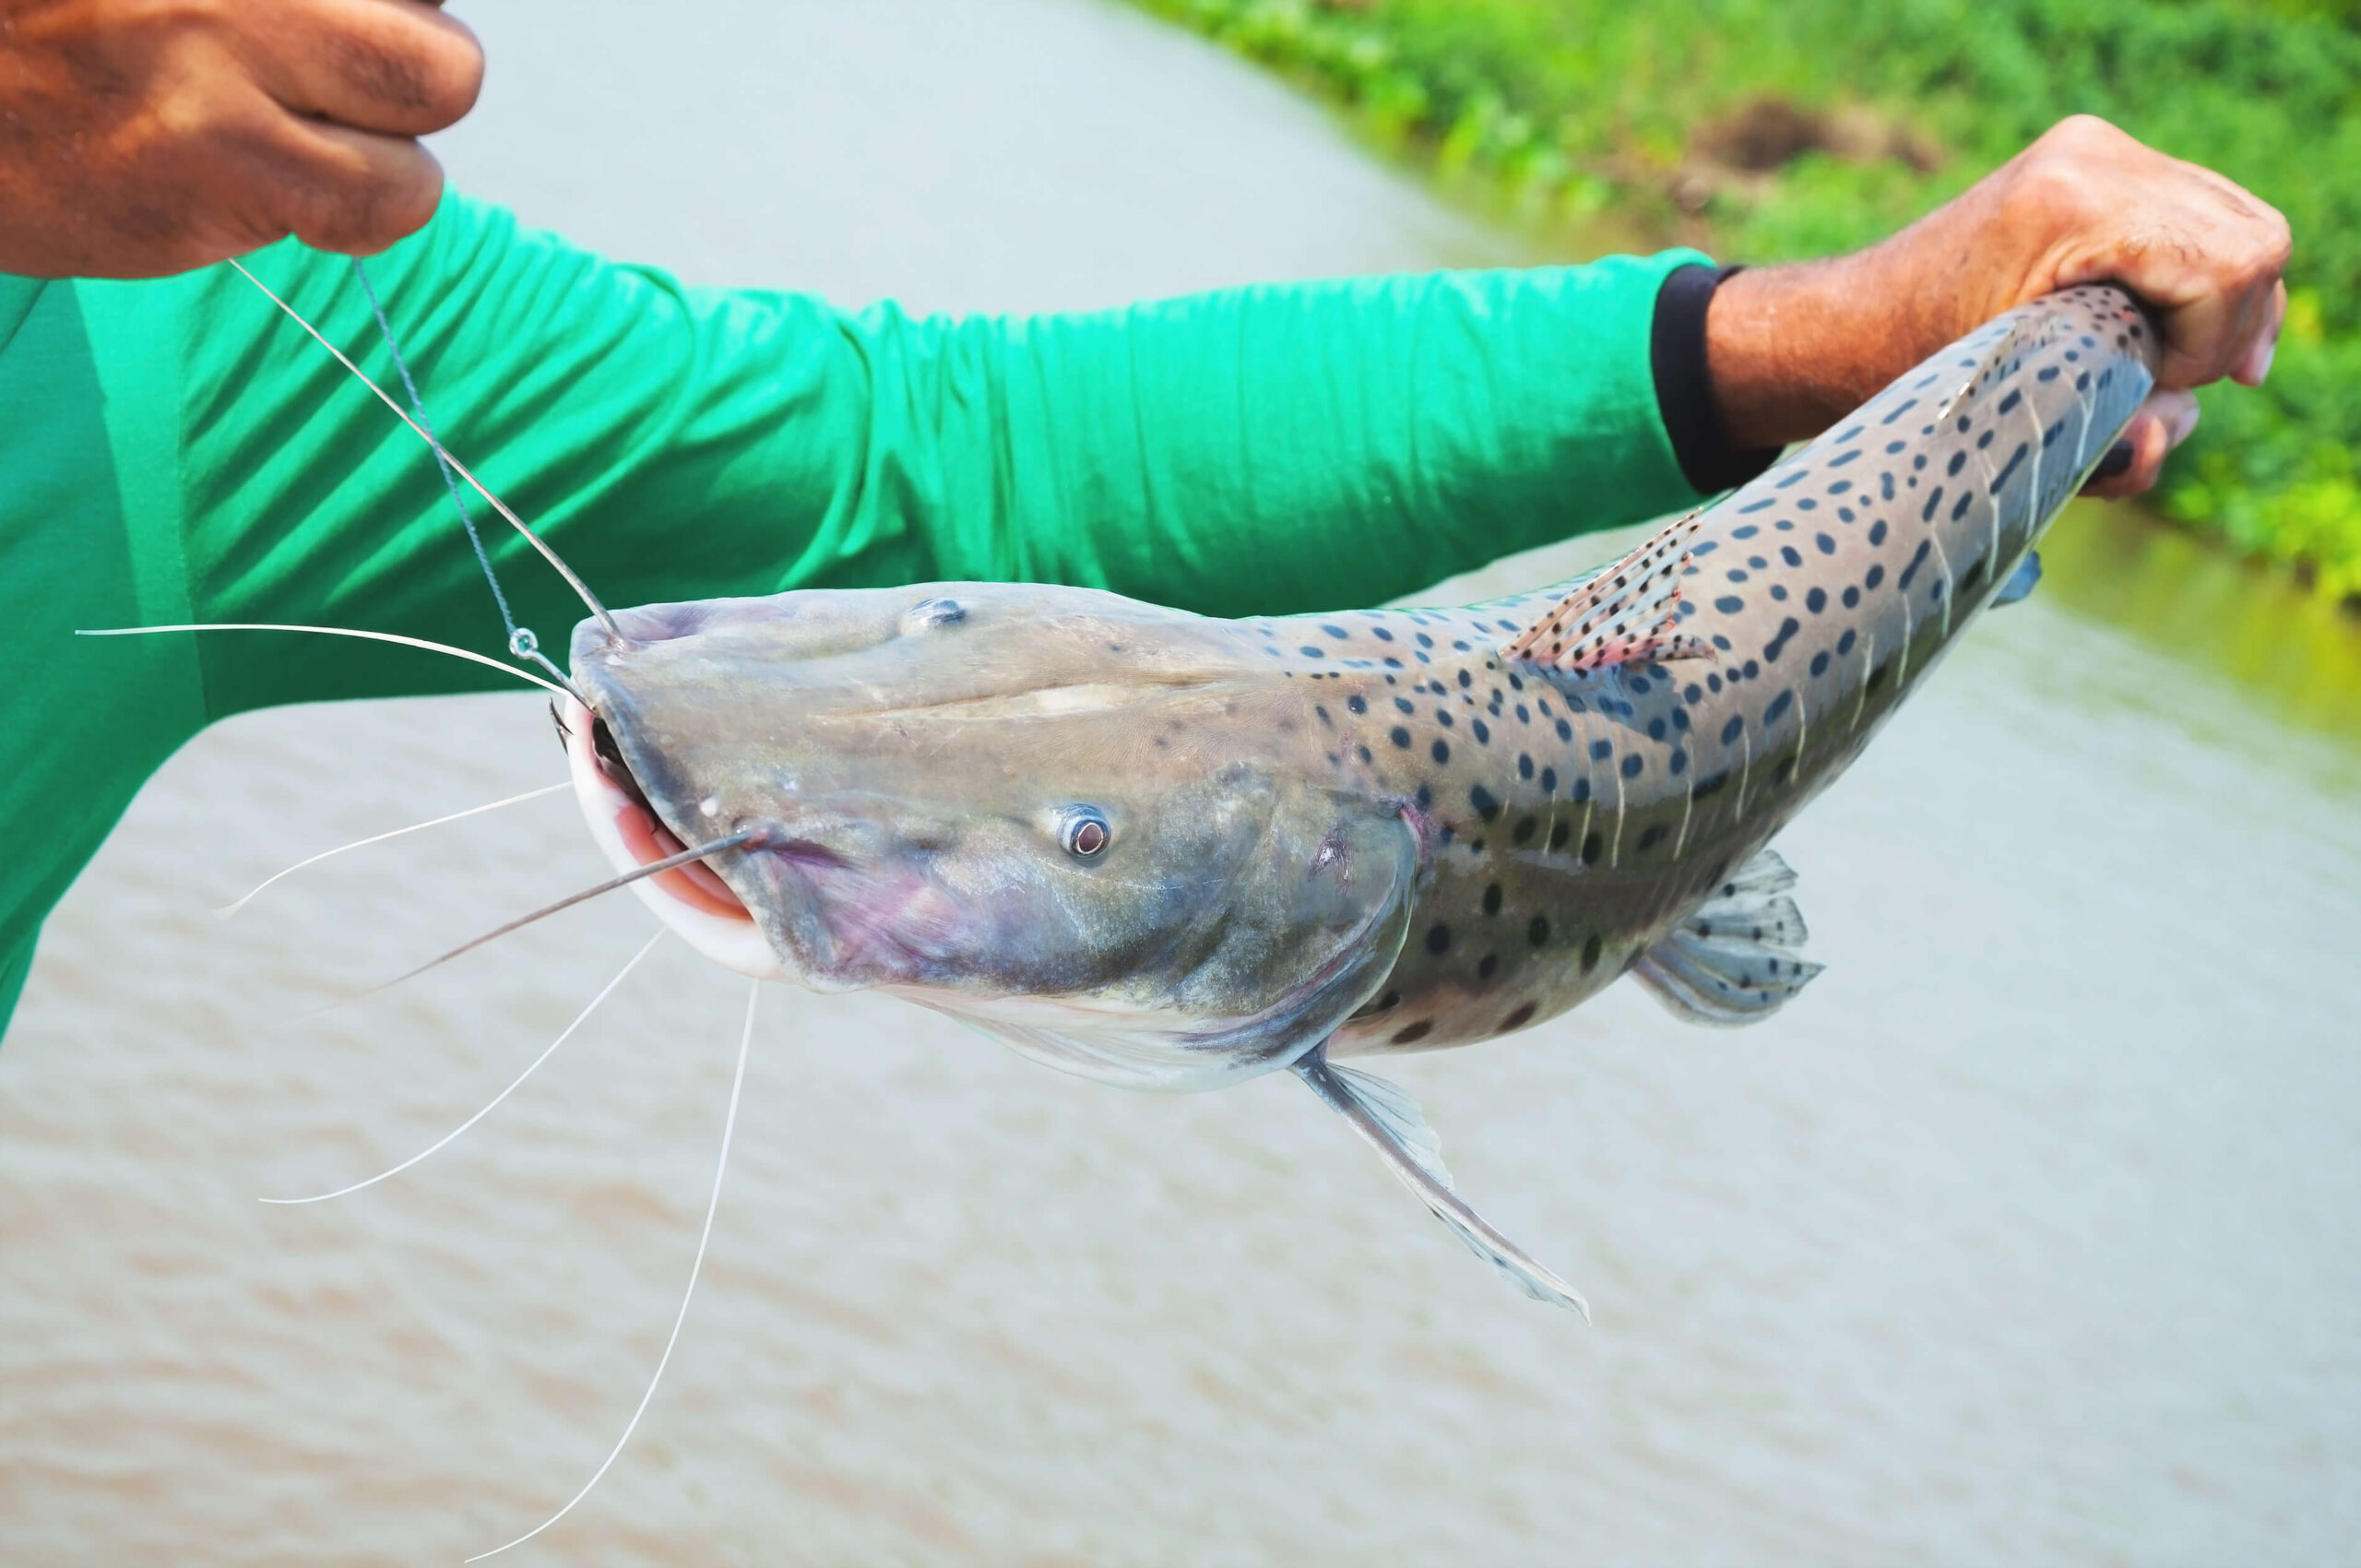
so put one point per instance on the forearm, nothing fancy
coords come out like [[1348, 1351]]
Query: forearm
[[1300, 446], [1285, 448]]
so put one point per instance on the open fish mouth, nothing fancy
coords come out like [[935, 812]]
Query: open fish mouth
[[692, 900]]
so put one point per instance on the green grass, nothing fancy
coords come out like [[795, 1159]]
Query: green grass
[[1594, 110]]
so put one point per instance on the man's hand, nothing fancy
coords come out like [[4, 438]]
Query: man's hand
[[139, 138], [1792, 349]]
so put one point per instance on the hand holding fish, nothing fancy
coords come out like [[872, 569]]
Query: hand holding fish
[[139, 140], [1794, 348]]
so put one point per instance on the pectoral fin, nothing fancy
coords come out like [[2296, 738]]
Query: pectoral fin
[[1393, 1125]]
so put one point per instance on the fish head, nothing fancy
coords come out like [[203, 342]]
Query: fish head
[[1065, 815]]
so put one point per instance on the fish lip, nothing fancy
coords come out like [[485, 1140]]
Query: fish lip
[[697, 910]]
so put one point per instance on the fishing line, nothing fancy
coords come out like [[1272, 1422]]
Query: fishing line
[[573, 578], [521, 641], [729, 1125], [226, 910], [549, 1051]]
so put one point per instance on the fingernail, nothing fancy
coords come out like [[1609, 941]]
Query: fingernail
[[2117, 462]]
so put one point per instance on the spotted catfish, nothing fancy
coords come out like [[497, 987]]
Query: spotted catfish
[[1170, 852]]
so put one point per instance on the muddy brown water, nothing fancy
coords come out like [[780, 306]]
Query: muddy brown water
[[2031, 1232]]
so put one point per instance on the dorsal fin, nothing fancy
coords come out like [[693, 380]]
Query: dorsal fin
[[1627, 614]]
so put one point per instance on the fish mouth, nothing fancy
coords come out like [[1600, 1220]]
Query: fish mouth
[[692, 899]]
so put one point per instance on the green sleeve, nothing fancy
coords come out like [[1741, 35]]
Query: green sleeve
[[1285, 447]]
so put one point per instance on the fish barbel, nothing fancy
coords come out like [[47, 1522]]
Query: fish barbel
[[1169, 851]]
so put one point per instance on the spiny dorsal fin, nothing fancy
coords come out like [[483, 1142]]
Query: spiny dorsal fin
[[1626, 614]]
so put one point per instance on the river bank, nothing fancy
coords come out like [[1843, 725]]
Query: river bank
[[1767, 132]]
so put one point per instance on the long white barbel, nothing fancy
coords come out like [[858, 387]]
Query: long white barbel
[[551, 556], [484, 660], [729, 1125], [226, 910], [548, 1051]]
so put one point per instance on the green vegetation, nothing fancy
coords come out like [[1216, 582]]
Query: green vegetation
[[1767, 129]]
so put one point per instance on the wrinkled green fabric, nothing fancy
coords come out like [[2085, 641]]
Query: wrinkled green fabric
[[179, 451]]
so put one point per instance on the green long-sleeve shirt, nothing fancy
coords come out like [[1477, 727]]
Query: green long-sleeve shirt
[[177, 451]]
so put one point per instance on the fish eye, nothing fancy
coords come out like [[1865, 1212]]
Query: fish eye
[[1083, 832]]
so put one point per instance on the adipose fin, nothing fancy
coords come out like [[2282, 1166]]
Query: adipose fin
[[1734, 958], [2020, 581], [1395, 1126]]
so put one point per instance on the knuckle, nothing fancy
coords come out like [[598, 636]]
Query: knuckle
[[430, 74]]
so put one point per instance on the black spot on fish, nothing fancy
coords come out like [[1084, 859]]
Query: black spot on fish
[[1875, 575], [1548, 780], [1779, 706], [1439, 940], [1844, 644], [1337, 632], [1492, 899], [1356, 705], [1593, 846], [1816, 600], [1492, 962], [1483, 735], [1536, 931], [1789, 627], [1653, 837], [1524, 765], [1364, 752], [1679, 763], [1819, 663], [1423, 640], [1958, 461], [1911, 571], [1412, 1034], [1465, 679], [1440, 750], [1852, 597], [1591, 950], [1381, 634], [1657, 729], [1521, 1018], [1731, 730], [1729, 604], [1486, 804], [1400, 737], [1442, 717], [1427, 801]]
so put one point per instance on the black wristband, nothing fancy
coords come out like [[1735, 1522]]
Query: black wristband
[[1685, 383]]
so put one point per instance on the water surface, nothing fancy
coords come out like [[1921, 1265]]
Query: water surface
[[2031, 1232]]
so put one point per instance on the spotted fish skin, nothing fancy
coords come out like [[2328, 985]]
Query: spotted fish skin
[[1373, 828], [1828, 588]]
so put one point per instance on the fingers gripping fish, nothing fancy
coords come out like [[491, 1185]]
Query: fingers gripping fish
[[1171, 852]]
